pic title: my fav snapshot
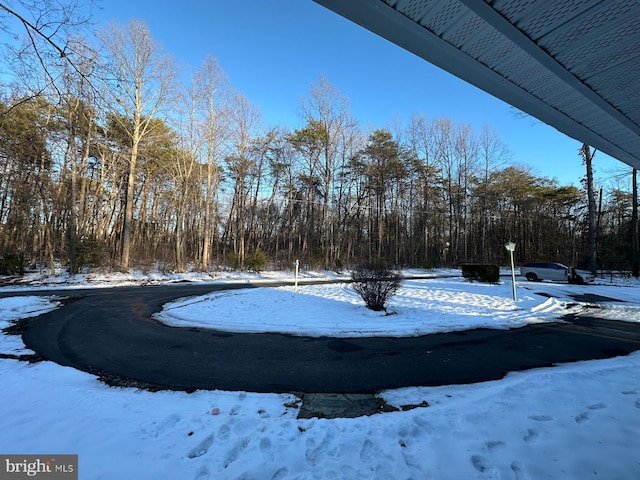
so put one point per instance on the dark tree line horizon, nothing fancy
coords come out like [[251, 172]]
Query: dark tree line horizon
[[109, 161]]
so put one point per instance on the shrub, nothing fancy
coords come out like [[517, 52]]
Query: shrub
[[375, 284], [89, 253], [257, 261], [233, 261], [482, 272], [11, 263]]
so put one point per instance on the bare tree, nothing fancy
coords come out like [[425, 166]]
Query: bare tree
[[181, 168], [142, 86], [444, 133], [635, 248], [39, 40], [211, 96], [240, 164], [493, 153], [587, 155], [80, 117], [328, 110], [467, 164]]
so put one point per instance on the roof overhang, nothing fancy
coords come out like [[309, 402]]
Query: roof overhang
[[573, 64]]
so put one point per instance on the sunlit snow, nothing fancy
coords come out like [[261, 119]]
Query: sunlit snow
[[420, 307]]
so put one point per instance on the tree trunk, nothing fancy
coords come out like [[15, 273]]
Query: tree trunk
[[179, 237], [127, 225], [206, 240], [72, 227], [587, 154], [635, 248]]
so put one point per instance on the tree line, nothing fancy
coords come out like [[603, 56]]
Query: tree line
[[109, 159]]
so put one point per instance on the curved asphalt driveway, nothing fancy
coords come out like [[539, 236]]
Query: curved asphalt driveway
[[110, 332]]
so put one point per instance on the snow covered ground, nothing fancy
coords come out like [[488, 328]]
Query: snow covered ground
[[574, 421]]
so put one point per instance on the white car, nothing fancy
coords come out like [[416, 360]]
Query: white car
[[538, 271]]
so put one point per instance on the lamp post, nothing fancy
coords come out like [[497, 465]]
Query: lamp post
[[511, 246]]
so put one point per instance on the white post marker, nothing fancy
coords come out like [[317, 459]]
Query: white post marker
[[296, 263], [511, 246]]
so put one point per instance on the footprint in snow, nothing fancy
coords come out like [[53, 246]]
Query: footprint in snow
[[424, 425], [266, 449], [224, 432], [583, 417], [201, 448], [236, 451], [541, 418], [281, 474], [494, 445], [347, 472], [410, 459], [167, 424], [531, 436], [326, 449], [481, 465], [310, 453], [517, 470], [367, 452]]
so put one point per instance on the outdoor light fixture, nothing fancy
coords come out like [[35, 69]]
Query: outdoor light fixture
[[511, 246]]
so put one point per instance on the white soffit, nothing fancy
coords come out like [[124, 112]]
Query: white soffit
[[573, 64]]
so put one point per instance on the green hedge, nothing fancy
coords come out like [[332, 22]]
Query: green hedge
[[481, 272]]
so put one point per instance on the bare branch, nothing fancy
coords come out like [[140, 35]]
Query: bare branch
[[48, 27], [29, 27]]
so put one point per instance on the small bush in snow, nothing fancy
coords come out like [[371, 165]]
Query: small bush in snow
[[375, 284], [257, 261], [481, 272]]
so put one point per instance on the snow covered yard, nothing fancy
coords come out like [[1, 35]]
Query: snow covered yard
[[574, 421], [420, 307]]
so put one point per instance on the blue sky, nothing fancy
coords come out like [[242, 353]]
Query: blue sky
[[274, 50]]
